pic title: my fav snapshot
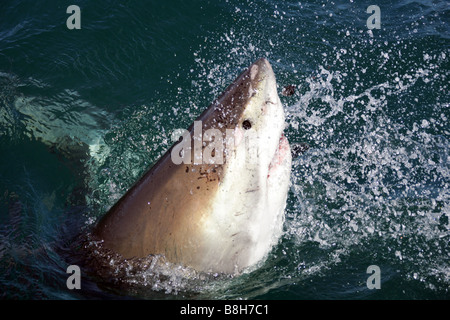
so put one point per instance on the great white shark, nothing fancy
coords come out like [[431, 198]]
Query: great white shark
[[222, 211]]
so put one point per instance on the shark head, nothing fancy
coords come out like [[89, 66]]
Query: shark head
[[215, 201], [248, 213]]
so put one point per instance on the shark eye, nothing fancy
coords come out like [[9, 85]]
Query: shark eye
[[246, 124]]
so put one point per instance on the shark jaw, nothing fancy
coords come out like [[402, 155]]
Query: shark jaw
[[220, 215]]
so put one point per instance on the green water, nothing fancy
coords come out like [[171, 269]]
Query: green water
[[84, 112]]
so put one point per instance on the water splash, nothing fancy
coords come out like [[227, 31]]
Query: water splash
[[369, 175]]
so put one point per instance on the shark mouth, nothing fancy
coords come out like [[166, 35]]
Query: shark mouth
[[280, 155]]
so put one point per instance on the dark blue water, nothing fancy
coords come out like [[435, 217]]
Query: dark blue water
[[84, 112]]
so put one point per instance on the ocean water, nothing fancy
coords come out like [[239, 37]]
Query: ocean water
[[84, 112]]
